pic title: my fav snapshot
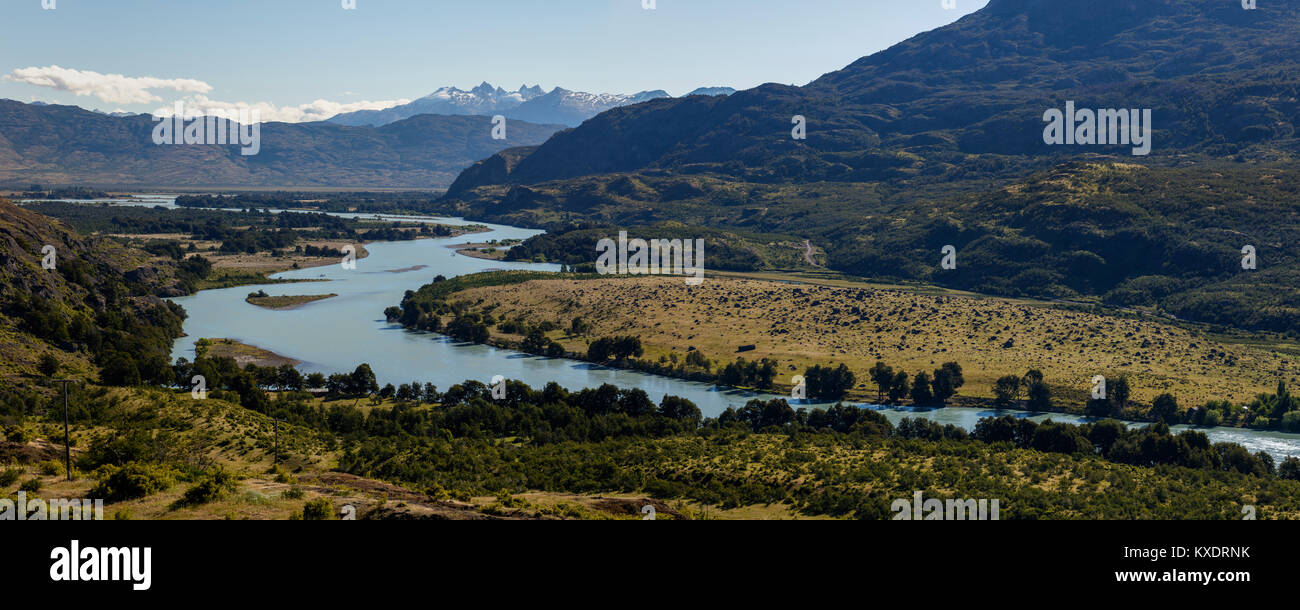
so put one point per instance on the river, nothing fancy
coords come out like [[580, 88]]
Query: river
[[334, 335]]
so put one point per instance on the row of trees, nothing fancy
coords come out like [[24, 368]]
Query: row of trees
[[1149, 446], [1279, 410], [614, 348], [1010, 389], [826, 383], [750, 373], [924, 388]]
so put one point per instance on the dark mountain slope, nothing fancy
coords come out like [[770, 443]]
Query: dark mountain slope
[[68, 145], [1220, 80], [97, 305]]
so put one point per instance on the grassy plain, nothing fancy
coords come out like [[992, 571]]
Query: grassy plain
[[800, 325]]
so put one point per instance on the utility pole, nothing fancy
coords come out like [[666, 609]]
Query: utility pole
[[275, 424], [67, 438]]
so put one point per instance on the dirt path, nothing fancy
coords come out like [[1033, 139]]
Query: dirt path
[[808, 253]]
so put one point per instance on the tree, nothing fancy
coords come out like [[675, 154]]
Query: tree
[[675, 407], [634, 402], [1290, 469], [1120, 393], [1060, 438], [696, 357], [362, 381], [829, 384], [627, 347], [1098, 407], [288, 378], [954, 370], [898, 390], [1104, 434], [1040, 396], [1165, 408], [579, 328], [601, 349], [535, 343], [947, 379], [48, 366], [120, 370], [921, 391], [1283, 402], [883, 376], [1006, 391], [733, 374]]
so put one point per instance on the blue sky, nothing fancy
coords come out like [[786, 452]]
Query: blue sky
[[286, 54]]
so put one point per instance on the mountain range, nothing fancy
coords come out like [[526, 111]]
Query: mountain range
[[59, 145], [1220, 81], [532, 104], [940, 140]]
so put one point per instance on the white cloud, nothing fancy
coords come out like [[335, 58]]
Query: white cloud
[[110, 88], [122, 90], [318, 110]]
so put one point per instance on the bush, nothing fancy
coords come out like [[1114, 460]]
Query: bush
[[1212, 419], [48, 365], [293, 493], [212, 486], [15, 434], [51, 468], [9, 476], [1291, 421], [132, 481], [320, 509], [30, 486]]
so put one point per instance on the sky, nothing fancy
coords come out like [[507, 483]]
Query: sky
[[299, 60]]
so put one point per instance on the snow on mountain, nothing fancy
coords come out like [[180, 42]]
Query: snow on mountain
[[533, 104]]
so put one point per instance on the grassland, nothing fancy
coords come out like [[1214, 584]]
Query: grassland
[[803, 325], [227, 266], [197, 435]]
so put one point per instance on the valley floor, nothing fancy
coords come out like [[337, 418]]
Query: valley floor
[[800, 325]]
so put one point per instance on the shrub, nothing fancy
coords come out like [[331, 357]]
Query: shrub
[[48, 365], [320, 509], [15, 434], [1291, 421], [9, 476], [30, 486], [293, 493], [212, 486], [134, 480], [1212, 419], [51, 468]]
